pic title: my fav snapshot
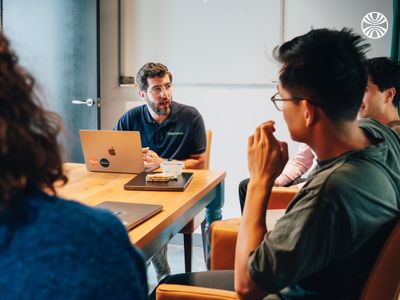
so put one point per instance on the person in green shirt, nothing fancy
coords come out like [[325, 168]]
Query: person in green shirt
[[330, 236]]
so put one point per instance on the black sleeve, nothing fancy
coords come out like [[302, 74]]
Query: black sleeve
[[198, 135]]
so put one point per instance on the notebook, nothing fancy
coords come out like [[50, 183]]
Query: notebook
[[131, 214], [139, 183], [113, 151]]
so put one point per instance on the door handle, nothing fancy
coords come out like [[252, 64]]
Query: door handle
[[89, 102]]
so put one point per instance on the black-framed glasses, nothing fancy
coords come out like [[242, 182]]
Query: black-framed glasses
[[278, 102], [157, 90]]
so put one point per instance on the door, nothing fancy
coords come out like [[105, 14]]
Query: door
[[57, 42]]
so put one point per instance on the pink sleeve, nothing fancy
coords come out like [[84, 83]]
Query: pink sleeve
[[297, 166]]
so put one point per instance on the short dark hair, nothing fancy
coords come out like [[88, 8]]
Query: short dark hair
[[30, 158], [151, 70], [385, 73], [328, 67]]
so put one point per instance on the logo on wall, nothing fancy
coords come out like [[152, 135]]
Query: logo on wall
[[374, 25]]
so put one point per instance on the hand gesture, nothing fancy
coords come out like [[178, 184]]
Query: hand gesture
[[266, 155], [150, 157]]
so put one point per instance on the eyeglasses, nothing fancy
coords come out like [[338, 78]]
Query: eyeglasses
[[278, 102], [157, 90]]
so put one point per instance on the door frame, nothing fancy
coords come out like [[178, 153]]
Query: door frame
[[98, 100]]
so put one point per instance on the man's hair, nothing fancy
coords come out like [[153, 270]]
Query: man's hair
[[327, 67], [385, 73], [29, 152], [151, 70]]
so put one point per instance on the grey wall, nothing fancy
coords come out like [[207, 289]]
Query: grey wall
[[231, 111]]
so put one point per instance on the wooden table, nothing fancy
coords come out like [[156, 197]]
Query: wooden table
[[206, 190]]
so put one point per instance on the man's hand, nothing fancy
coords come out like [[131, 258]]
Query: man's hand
[[150, 157], [266, 155], [266, 158]]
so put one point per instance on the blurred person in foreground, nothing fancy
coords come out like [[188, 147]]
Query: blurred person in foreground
[[51, 248]]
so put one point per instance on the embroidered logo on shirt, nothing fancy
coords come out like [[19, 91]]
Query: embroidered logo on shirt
[[175, 133]]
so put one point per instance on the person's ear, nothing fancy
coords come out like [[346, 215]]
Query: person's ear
[[141, 93], [390, 93], [309, 113]]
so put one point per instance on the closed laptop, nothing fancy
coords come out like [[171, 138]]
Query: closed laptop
[[131, 214], [139, 183]]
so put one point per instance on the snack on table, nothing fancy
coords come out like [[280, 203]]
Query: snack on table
[[160, 177]]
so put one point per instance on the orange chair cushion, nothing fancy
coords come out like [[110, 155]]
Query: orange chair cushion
[[185, 292], [281, 197], [223, 241]]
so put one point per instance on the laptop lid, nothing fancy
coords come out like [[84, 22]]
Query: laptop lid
[[131, 214], [112, 151], [139, 183]]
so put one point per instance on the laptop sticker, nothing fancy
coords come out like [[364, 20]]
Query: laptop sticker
[[104, 162]]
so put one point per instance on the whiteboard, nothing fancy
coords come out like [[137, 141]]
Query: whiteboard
[[204, 41]]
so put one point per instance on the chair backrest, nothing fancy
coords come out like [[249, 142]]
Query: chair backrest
[[208, 149], [384, 280]]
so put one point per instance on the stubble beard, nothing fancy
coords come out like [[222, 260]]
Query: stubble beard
[[160, 112]]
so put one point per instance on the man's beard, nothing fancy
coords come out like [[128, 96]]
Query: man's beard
[[160, 111]]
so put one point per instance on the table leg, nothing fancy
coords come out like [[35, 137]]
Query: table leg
[[214, 213]]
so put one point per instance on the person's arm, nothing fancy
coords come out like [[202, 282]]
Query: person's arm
[[297, 166], [150, 157], [195, 161], [266, 159]]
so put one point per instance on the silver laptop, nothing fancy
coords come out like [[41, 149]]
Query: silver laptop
[[112, 151], [131, 214]]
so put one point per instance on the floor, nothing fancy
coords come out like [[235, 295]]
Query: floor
[[176, 261]]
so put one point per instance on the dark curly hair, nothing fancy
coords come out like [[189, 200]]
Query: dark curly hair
[[151, 70], [30, 156]]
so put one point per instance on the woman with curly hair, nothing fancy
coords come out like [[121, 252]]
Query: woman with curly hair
[[51, 248]]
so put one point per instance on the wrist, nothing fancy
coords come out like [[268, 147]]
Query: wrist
[[265, 182]]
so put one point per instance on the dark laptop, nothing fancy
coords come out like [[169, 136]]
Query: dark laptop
[[131, 214], [139, 183]]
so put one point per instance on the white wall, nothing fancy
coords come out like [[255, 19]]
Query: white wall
[[300, 16], [233, 114], [231, 111]]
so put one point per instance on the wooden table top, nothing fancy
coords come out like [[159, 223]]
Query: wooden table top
[[92, 188]]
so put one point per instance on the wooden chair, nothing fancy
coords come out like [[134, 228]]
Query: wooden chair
[[384, 279], [382, 283], [190, 227]]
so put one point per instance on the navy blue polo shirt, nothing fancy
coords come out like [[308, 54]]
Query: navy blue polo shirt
[[180, 135]]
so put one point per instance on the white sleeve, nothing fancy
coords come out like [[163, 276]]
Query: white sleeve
[[297, 166]]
